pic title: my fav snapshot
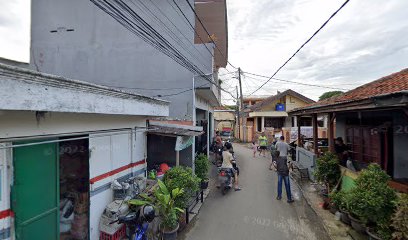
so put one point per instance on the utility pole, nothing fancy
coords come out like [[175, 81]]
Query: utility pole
[[242, 106], [238, 118]]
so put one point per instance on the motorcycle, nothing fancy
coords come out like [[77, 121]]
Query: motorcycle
[[226, 177], [137, 222]]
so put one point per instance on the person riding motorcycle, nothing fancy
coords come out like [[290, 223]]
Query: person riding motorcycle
[[228, 163]]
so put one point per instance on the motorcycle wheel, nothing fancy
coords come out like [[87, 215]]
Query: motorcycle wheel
[[223, 191]]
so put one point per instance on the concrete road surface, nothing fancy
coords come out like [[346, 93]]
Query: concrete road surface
[[254, 213]]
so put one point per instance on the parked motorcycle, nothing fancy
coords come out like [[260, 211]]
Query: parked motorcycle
[[137, 222]]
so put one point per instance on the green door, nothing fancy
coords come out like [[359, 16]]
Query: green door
[[35, 192]]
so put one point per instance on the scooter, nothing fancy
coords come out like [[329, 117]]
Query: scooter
[[226, 177], [137, 222]]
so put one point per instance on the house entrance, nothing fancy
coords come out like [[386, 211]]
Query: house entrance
[[50, 192]]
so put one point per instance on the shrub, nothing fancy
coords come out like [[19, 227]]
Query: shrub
[[372, 200], [400, 218], [202, 166], [340, 199], [327, 169], [182, 178]]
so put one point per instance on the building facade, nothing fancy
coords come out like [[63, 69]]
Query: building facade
[[63, 139], [76, 39], [270, 115], [371, 120]]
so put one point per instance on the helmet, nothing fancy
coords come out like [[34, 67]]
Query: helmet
[[148, 213], [228, 145]]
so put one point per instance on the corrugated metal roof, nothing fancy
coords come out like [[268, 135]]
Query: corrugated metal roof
[[174, 131]]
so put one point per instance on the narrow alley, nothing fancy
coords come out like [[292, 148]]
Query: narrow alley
[[254, 212]]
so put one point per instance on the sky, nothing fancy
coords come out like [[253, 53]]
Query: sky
[[366, 40], [363, 42]]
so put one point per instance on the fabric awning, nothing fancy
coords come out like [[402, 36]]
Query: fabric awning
[[268, 114]]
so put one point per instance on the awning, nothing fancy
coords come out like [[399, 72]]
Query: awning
[[268, 114], [175, 129]]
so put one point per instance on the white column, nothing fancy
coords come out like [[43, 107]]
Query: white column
[[295, 121], [263, 124]]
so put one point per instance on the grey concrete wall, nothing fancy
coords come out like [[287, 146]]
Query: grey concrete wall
[[100, 50]]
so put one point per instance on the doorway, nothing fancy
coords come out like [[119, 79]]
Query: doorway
[[51, 190], [74, 189]]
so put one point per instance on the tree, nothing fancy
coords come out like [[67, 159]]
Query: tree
[[329, 94]]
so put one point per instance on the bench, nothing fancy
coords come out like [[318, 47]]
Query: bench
[[303, 171]]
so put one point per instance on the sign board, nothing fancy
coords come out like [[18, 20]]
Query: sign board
[[183, 142], [305, 131]]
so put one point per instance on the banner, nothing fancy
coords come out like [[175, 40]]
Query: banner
[[305, 131], [183, 142]]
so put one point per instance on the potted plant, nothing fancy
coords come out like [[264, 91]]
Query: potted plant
[[164, 201], [399, 221], [372, 200], [182, 178], [328, 172], [201, 169], [340, 202]]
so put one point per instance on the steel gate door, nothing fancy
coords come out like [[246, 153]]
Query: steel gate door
[[35, 192]]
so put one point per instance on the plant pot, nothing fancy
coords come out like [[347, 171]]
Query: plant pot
[[326, 201], [357, 224], [345, 217], [204, 184], [372, 235], [170, 235], [333, 208]]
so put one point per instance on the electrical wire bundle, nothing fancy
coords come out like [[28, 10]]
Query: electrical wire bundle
[[132, 21]]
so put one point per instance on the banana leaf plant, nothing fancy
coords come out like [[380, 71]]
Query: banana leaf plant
[[164, 203]]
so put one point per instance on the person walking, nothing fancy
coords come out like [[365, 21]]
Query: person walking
[[274, 154], [254, 147], [263, 143], [283, 169]]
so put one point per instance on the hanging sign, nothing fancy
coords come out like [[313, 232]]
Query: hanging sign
[[183, 142]]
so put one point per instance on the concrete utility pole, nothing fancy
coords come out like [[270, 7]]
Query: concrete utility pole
[[238, 118], [242, 106]]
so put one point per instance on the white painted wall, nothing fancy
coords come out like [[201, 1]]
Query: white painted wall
[[24, 123], [22, 90], [107, 153]]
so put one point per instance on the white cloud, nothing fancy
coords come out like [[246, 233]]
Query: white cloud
[[364, 41], [15, 29]]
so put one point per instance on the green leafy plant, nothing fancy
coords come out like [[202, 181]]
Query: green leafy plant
[[340, 199], [372, 200], [182, 178], [399, 220], [327, 169], [202, 165], [164, 201]]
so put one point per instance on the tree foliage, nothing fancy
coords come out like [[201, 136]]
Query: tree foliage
[[329, 94]]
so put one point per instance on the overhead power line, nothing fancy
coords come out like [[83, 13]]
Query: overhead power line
[[132, 21], [314, 34], [288, 81]]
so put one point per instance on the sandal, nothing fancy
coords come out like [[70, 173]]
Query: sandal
[[238, 189]]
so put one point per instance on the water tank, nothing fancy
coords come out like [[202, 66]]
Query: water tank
[[280, 107]]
